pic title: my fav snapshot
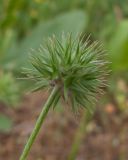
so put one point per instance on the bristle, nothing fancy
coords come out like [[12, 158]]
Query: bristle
[[78, 66]]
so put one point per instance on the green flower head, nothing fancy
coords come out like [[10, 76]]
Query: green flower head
[[76, 66]]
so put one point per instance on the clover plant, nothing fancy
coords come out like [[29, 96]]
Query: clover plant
[[72, 69]]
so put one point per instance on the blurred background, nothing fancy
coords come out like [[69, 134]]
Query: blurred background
[[25, 24]]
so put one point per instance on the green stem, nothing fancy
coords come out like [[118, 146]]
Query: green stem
[[39, 122], [79, 135]]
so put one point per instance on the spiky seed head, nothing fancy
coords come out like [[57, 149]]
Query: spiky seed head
[[77, 67]]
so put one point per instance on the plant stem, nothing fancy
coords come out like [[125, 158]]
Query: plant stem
[[86, 117], [39, 122]]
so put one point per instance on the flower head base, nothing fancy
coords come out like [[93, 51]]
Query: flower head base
[[79, 69]]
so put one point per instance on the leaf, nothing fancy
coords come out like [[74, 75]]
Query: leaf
[[9, 90], [63, 23], [5, 123], [118, 47]]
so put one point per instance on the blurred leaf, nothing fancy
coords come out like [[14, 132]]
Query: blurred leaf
[[5, 123], [65, 22], [6, 41], [9, 90], [118, 47]]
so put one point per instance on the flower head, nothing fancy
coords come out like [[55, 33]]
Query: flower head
[[77, 67]]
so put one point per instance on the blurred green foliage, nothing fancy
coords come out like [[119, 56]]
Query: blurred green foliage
[[119, 51], [26, 24], [16, 56], [9, 93]]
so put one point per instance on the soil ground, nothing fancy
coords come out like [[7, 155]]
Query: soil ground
[[106, 137]]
